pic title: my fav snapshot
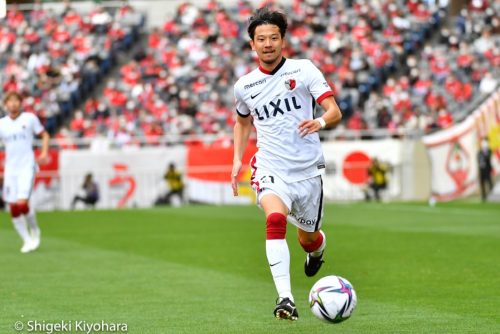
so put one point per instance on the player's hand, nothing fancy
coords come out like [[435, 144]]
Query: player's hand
[[42, 159], [234, 176], [309, 126]]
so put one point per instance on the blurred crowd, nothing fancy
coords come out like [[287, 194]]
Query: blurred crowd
[[57, 60], [441, 82], [391, 64]]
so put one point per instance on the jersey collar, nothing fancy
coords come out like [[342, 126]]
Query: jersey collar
[[276, 69], [17, 117]]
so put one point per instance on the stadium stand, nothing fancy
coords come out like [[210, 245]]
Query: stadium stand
[[392, 65], [57, 60]]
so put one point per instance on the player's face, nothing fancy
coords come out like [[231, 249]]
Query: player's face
[[13, 105], [267, 42]]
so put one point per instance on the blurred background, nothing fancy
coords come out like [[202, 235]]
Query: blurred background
[[138, 99], [128, 88]]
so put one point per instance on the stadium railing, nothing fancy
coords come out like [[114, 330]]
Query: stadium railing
[[105, 143]]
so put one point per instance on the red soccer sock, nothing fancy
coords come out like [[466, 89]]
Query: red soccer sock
[[316, 246], [275, 226]]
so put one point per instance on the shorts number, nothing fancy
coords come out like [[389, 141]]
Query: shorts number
[[267, 179]]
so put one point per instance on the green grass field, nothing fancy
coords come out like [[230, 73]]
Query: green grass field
[[202, 269]]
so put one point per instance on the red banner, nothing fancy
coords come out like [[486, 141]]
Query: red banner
[[47, 172], [215, 163]]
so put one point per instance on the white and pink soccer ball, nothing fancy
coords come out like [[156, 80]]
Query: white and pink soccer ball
[[332, 299]]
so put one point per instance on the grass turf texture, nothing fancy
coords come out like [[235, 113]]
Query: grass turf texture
[[202, 269]]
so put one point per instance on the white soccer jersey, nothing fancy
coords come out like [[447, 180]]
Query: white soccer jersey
[[278, 101], [17, 136]]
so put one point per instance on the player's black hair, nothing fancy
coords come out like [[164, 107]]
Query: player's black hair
[[265, 16]]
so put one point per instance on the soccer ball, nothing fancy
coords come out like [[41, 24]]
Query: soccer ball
[[332, 299]]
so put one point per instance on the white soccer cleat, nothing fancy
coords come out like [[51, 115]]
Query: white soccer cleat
[[27, 247], [35, 244]]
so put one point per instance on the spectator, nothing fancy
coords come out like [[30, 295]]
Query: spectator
[[175, 185], [488, 84], [485, 169], [2, 203], [377, 173], [90, 194], [444, 119]]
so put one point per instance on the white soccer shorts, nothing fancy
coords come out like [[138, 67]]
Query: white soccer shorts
[[19, 185], [304, 199]]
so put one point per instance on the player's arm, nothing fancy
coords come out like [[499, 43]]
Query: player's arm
[[43, 157], [242, 131], [331, 117]]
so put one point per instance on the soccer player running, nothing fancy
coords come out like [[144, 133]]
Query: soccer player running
[[280, 95], [17, 130]]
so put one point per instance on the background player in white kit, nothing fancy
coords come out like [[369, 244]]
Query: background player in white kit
[[17, 131], [280, 96]]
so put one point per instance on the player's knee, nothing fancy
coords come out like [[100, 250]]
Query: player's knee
[[23, 208], [15, 210], [275, 226], [311, 244]]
